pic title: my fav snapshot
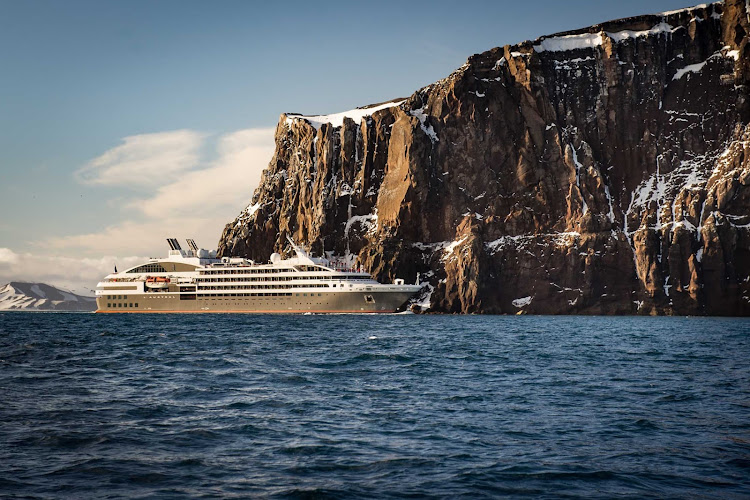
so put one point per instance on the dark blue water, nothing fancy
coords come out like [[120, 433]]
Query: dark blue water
[[221, 406]]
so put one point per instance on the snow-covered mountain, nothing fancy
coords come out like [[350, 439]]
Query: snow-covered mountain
[[18, 295]]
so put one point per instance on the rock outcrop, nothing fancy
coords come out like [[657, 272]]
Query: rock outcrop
[[599, 171]]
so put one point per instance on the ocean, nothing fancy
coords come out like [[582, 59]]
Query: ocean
[[386, 406]]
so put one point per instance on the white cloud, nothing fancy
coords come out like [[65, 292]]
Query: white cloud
[[145, 160], [225, 184], [194, 204], [79, 275], [130, 237], [8, 256]]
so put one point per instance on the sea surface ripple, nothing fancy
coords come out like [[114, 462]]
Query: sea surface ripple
[[225, 406]]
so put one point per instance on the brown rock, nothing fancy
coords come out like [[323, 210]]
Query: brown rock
[[545, 177]]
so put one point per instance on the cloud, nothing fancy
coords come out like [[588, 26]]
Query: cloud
[[225, 184], [8, 256], [144, 160], [79, 275], [197, 203], [140, 237]]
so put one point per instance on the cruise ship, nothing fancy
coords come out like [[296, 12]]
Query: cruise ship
[[195, 281]]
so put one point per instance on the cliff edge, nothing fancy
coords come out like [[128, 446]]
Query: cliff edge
[[604, 170]]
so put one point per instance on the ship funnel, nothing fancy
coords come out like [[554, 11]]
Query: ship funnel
[[173, 244]]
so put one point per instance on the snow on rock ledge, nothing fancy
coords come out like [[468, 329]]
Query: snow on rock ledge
[[337, 119]]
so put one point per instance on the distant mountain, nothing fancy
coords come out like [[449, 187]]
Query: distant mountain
[[19, 296]]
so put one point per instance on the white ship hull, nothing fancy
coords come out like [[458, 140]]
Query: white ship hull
[[319, 302]]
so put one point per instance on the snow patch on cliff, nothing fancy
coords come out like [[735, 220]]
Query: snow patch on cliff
[[684, 9], [427, 129], [252, 208], [579, 166], [690, 174], [592, 40], [523, 301], [569, 42], [247, 214], [698, 67], [337, 119], [692, 68], [451, 247], [611, 213], [446, 247], [566, 63], [368, 222], [524, 241], [619, 36]]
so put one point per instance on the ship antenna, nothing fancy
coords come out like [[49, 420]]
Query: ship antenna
[[297, 249]]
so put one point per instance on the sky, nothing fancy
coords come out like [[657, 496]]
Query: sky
[[123, 123]]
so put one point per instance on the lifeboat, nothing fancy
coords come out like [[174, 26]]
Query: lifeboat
[[157, 282]]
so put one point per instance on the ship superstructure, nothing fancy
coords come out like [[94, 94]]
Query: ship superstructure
[[195, 280]]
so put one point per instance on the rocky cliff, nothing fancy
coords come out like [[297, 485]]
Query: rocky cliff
[[602, 170]]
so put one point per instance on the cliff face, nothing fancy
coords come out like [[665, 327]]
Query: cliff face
[[604, 170]]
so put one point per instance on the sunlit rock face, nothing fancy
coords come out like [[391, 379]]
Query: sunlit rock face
[[599, 171]]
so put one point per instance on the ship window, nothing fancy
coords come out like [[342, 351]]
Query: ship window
[[369, 299], [148, 268]]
